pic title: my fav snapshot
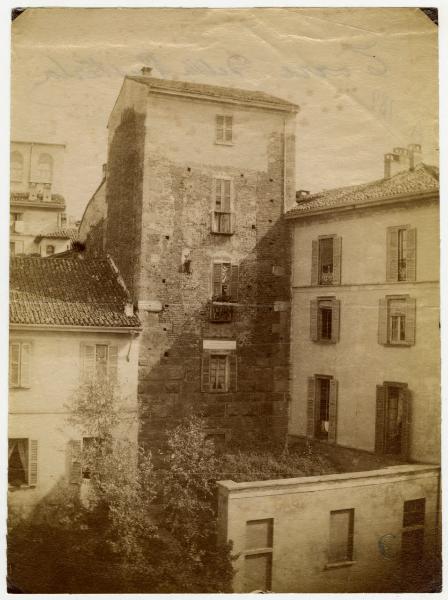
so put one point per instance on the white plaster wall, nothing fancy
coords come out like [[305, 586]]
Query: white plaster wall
[[301, 516]]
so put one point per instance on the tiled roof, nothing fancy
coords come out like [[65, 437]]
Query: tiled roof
[[56, 199], [216, 91], [69, 233], [422, 180], [67, 291]]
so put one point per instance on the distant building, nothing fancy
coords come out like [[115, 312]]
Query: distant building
[[70, 320], [36, 203], [365, 353], [197, 180]]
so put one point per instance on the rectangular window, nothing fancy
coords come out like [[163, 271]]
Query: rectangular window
[[322, 408], [224, 125], [99, 361], [15, 222], [396, 325], [341, 535], [219, 367], [323, 403], [225, 282], [22, 462], [401, 253], [413, 533], [392, 419], [324, 320], [326, 260], [16, 248], [19, 364], [218, 373], [222, 217], [258, 555]]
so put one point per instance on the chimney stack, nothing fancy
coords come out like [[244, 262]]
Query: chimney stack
[[302, 195], [415, 155], [146, 71], [396, 162]]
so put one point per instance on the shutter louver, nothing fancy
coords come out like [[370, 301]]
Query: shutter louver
[[32, 467], [311, 408], [392, 254], [217, 280], [205, 372], [335, 320], [382, 321], [75, 462], [25, 371], [234, 283], [332, 411], [315, 263], [87, 362], [314, 335], [14, 365], [411, 251], [113, 364], [380, 418], [410, 321], [337, 260], [233, 372], [405, 423]]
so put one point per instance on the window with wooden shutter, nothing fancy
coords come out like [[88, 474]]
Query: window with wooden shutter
[[341, 536], [20, 364], [225, 278], [233, 372], [234, 283], [332, 412], [311, 407], [396, 321], [75, 475], [18, 462], [258, 555], [113, 364], [222, 217], [401, 253], [326, 260], [224, 126], [87, 361], [33, 462], [392, 427], [205, 372], [99, 362], [324, 320]]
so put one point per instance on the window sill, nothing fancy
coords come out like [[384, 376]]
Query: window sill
[[398, 344], [222, 232], [19, 387], [24, 486], [251, 552], [340, 564], [223, 143], [324, 342]]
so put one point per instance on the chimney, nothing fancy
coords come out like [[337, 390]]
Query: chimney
[[396, 162], [146, 71], [129, 309], [415, 155], [302, 195]]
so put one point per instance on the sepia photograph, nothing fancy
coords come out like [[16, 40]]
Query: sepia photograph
[[224, 301]]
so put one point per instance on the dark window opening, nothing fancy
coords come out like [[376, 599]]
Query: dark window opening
[[394, 420], [326, 260], [218, 372], [326, 317], [323, 403], [17, 462], [402, 251]]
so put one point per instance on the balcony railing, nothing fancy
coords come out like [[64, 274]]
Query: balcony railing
[[222, 222], [402, 270], [326, 278], [221, 312]]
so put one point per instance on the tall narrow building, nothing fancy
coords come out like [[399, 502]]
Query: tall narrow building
[[197, 180]]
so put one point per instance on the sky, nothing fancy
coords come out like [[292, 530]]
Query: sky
[[366, 79]]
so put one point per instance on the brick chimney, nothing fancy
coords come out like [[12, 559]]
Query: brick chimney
[[146, 71], [396, 162], [415, 155]]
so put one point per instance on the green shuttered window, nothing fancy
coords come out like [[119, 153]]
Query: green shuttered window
[[401, 253]]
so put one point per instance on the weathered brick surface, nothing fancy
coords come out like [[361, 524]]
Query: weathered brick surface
[[158, 212]]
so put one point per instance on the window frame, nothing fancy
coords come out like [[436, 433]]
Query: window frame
[[53, 247], [111, 363], [314, 408], [333, 561], [261, 550], [385, 320], [215, 227], [23, 380], [316, 261], [411, 529], [231, 370], [317, 305], [381, 418], [407, 251], [31, 473], [225, 129]]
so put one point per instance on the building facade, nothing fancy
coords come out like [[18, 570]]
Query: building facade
[[197, 180], [365, 354], [36, 202], [70, 322]]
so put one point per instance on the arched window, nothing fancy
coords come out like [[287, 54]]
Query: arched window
[[16, 166], [49, 250], [45, 168]]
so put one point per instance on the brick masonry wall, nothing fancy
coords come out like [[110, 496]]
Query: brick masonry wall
[[163, 216]]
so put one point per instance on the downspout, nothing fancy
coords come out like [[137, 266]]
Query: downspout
[[284, 165]]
